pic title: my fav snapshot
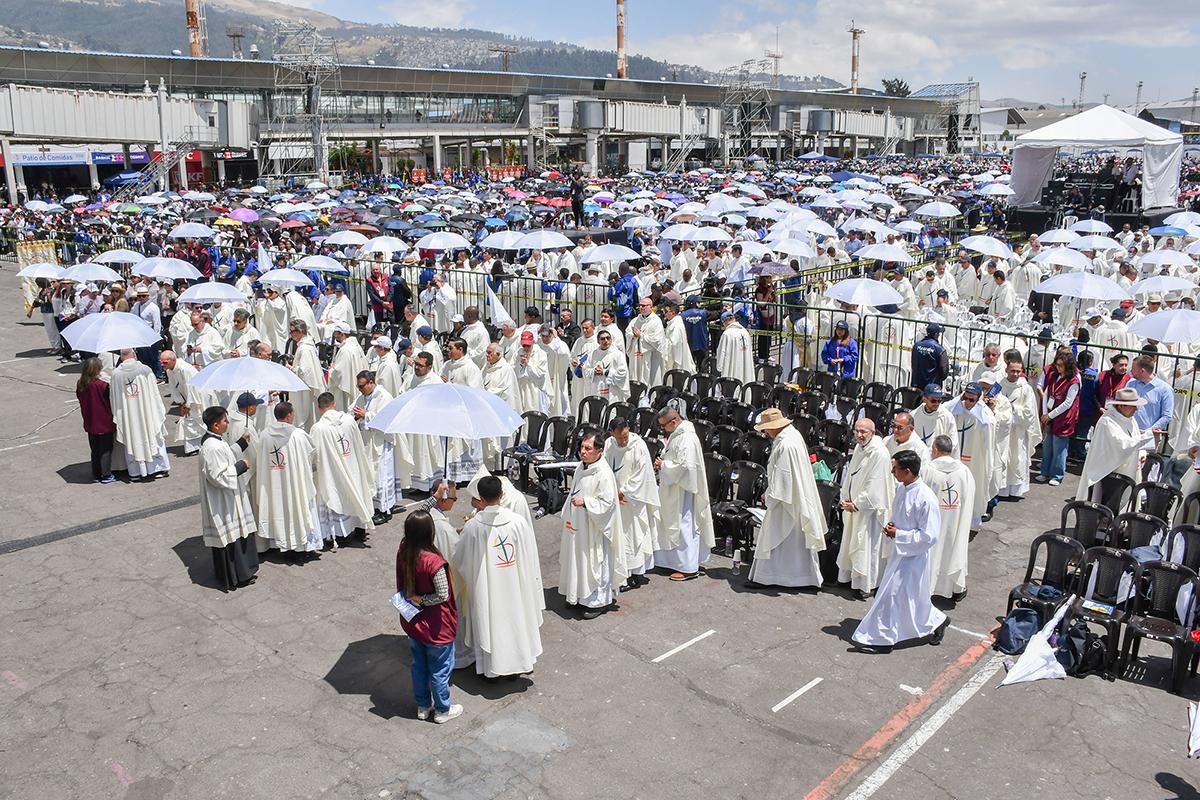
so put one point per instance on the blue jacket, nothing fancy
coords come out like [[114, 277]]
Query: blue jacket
[[848, 352], [625, 296], [695, 322]]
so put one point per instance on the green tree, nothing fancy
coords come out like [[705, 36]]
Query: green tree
[[896, 87]]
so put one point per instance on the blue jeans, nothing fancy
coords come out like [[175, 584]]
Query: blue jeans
[[431, 668], [1054, 457]]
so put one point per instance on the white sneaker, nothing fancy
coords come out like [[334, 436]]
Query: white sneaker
[[423, 713], [1055, 481], [455, 710]]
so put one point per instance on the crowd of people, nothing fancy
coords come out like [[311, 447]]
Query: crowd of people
[[299, 472]]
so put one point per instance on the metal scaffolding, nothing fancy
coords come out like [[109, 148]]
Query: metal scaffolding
[[305, 102], [746, 107]]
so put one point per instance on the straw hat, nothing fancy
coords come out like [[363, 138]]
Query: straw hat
[[1126, 397], [771, 419]]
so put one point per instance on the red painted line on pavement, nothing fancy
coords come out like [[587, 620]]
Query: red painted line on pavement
[[875, 745]]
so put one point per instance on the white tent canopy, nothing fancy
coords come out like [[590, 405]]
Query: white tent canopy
[[1102, 126]]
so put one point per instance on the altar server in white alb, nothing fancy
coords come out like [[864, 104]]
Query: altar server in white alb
[[499, 624], [902, 609], [637, 493], [225, 518], [866, 502], [343, 477], [685, 537], [140, 417], [589, 569], [954, 487], [793, 530]]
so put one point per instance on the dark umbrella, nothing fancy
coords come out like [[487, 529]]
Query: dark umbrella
[[773, 269]]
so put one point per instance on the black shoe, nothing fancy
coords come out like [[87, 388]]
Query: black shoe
[[861, 595], [592, 613], [957, 596], [987, 517], [873, 649], [936, 638], [379, 518]]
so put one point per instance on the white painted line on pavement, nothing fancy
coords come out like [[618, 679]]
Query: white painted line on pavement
[[915, 690], [10, 360], [877, 778], [27, 444], [972, 634], [796, 694], [683, 646]]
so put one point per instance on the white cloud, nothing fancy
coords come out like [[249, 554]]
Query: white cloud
[[440, 14]]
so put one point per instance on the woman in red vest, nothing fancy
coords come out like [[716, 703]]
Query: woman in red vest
[[423, 575], [1060, 412]]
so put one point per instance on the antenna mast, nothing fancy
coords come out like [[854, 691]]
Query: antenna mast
[[854, 33]]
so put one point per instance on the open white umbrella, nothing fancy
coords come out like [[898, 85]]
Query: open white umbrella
[[443, 241], [864, 292], [346, 237], [794, 248], [285, 277], [502, 240], [119, 256], [191, 230], [1167, 258], [100, 333], [988, 245], [1063, 257], [167, 268], [1178, 218], [90, 271], [816, 226], [678, 232], [1161, 284], [543, 240], [1059, 236], [388, 245], [320, 264], [755, 249], [42, 270], [1172, 325], [937, 211], [448, 409], [1091, 226], [1084, 285], [884, 252], [1095, 241], [246, 375], [610, 252], [211, 292]]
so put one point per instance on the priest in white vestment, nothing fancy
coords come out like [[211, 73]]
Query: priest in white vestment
[[589, 570], [271, 318], [464, 456], [932, 418], [343, 475], [192, 401], [637, 492], [866, 503], [140, 417], [476, 334], [1026, 431], [608, 322], [954, 487], [348, 361], [975, 428], [299, 308], [558, 362], [242, 422], [499, 379], [648, 352], [203, 344], [902, 609], [338, 313], [582, 361], [735, 356], [226, 521], [500, 620], [307, 366], [793, 530], [533, 375], [678, 353], [904, 437], [608, 370], [1117, 444], [287, 494], [240, 334], [377, 445], [684, 537], [424, 452]]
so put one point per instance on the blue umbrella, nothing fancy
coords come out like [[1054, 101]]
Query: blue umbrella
[[1168, 230], [492, 222], [397, 225], [517, 214]]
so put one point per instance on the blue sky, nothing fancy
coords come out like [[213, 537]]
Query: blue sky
[[1028, 49]]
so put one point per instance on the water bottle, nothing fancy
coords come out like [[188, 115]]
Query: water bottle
[[541, 512], [729, 545], [737, 562]]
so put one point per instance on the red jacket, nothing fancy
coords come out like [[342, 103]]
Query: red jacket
[[1107, 386]]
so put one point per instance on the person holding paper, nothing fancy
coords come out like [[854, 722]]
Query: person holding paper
[[423, 580]]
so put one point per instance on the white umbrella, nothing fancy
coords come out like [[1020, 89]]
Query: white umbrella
[[1172, 325], [1161, 284], [995, 190], [388, 245], [908, 226], [988, 245], [1091, 226], [710, 234], [754, 249], [864, 292], [285, 277], [1084, 285], [543, 240], [247, 374], [167, 268], [346, 237], [211, 292], [884, 252], [443, 241], [448, 410], [90, 271], [1038, 661], [1095, 241], [937, 211], [610, 252], [1059, 236], [1167, 258], [100, 333], [191, 230], [678, 232], [502, 240], [1063, 257], [794, 248], [1179, 218], [641, 222], [75, 198], [320, 264], [119, 256], [817, 226], [42, 270]]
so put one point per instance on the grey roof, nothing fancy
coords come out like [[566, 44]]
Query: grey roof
[[943, 90]]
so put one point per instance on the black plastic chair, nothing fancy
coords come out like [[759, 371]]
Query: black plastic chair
[[905, 398], [740, 415], [729, 388], [703, 429], [785, 398], [637, 390], [645, 420], [591, 410], [1137, 530], [850, 388], [1116, 492], [1189, 509], [877, 392], [757, 447], [1102, 569], [807, 426], [800, 377], [836, 434], [823, 383], [725, 440], [717, 470], [558, 436], [812, 404], [879, 414], [731, 517], [679, 379], [1152, 497], [657, 396], [1152, 467], [833, 458], [614, 410], [768, 372], [535, 432], [1156, 586], [1183, 547], [845, 408], [712, 409], [1092, 522], [830, 493], [690, 403], [756, 394], [655, 446], [1062, 559], [703, 385]]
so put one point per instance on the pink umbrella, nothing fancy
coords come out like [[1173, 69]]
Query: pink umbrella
[[244, 215]]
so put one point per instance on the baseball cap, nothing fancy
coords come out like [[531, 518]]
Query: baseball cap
[[974, 388], [935, 327], [1092, 311], [382, 341], [341, 326], [527, 337], [403, 344], [425, 331], [933, 390], [457, 318], [247, 399], [726, 315]]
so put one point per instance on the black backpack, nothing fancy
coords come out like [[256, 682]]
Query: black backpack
[[550, 495], [1081, 651], [1018, 628]]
